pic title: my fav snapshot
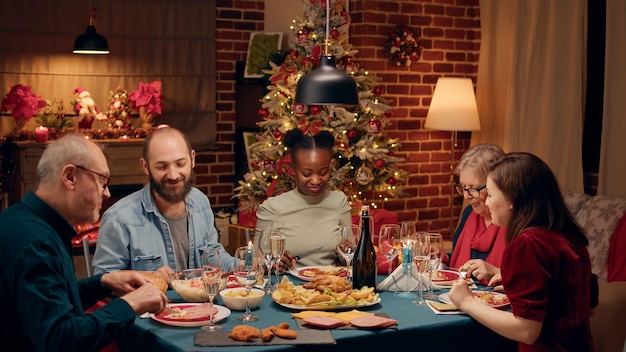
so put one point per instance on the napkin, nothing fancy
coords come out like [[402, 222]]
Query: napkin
[[443, 308], [397, 281]]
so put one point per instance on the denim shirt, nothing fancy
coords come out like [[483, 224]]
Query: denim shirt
[[134, 234]]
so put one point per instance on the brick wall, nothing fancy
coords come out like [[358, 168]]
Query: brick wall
[[450, 32]]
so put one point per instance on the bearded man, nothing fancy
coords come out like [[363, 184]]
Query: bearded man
[[165, 226]]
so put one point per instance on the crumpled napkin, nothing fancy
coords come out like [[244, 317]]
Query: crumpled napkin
[[397, 280]]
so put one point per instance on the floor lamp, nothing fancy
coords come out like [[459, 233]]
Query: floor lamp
[[453, 108]]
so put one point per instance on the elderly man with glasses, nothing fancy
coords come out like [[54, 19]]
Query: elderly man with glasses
[[42, 302]]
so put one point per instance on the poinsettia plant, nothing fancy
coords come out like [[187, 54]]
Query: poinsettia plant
[[149, 96], [22, 102]]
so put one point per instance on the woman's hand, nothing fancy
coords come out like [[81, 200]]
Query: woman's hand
[[481, 270], [460, 294], [495, 280]]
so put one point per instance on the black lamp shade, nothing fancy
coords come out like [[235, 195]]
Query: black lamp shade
[[91, 43], [326, 85]]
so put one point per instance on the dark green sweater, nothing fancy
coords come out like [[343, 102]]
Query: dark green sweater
[[41, 300]]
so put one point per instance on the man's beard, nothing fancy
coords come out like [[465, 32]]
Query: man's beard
[[173, 195]]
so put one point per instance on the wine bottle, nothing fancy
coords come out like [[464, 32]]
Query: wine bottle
[[364, 265]]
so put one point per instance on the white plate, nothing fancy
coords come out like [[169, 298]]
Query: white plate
[[222, 312], [501, 297], [320, 306], [298, 272]]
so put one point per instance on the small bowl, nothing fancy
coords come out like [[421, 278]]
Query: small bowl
[[235, 298], [189, 285]]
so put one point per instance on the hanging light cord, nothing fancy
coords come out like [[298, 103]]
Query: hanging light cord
[[327, 26]]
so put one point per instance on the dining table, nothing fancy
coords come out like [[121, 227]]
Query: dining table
[[419, 327]]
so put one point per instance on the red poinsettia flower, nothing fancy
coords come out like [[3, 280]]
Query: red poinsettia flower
[[148, 95], [22, 102]]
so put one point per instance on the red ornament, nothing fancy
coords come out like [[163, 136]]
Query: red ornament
[[379, 163], [334, 33], [374, 126], [351, 134], [391, 181], [254, 164], [342, 145], [264, 113], [269, 166], [278, 134], [315, 110], [378, 90]]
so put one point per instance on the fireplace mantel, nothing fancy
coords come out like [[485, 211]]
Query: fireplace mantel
[[122, 156]]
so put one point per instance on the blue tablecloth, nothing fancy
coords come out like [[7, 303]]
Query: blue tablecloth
[[418, 328]]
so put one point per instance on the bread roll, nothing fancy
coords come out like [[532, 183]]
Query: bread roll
[[156, 279]]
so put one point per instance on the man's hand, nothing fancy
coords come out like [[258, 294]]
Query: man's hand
[[147, 298]]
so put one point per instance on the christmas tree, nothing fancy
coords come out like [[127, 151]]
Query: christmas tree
[[365, 167]]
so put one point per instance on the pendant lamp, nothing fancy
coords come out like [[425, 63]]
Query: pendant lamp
[[326, 85], [91, 42]]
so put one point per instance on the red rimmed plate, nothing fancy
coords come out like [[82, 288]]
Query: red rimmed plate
[[445, 276], [492, 299], [220, 313], [306, 273]]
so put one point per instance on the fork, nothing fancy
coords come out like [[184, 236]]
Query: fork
[[463, 271]]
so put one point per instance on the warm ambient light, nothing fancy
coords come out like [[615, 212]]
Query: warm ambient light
[[326, 85], [91, 42], [453, 108]]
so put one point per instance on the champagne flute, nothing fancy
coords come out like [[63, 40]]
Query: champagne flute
[[389, 243], [346, 246], [421, 262], [278, 228], [246, 270], [211, 276], [408, 239], [277, 245], [262, 238], [434, 241]]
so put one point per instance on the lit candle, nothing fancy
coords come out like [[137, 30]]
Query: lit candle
[[41, 134], [124, 138]]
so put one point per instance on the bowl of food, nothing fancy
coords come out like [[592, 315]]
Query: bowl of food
[[235, 298], [189, 285]]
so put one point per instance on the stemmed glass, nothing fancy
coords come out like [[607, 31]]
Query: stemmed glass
[[408, 237], [346, 245], [262, 238], [212, 277], [421, 261], [434, 241], [278, 228], [246, 271], [389, 243]]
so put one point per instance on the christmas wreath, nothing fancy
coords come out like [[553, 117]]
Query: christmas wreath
[[403, 47]]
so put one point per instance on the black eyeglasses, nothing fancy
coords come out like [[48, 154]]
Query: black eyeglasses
[[473, 192], [107, 179]]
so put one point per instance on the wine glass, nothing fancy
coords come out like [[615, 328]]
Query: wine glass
[[434, 241], [212, 277], [389, 243], [277, 244], [262, 238], [408, 239], [246, 270], [421, 262], [278, 228], [346, 245]]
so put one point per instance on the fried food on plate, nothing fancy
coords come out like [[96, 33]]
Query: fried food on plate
[[286, 333], [244, 333], [268, 333]]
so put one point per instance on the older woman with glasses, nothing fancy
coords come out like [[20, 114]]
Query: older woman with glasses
[[477, 243]]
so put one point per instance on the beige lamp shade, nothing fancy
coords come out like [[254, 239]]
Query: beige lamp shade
[[453, 106]]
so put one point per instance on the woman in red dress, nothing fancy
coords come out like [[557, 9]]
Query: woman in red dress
[[546, 271]]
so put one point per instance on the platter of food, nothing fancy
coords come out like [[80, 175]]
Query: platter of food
[[492, 299], [190, 314], [443, 276], [324, 292], [307, 273]]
